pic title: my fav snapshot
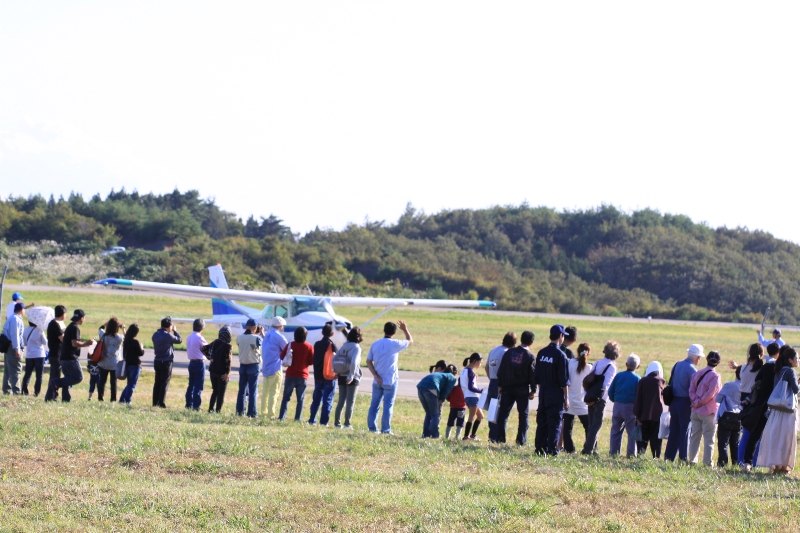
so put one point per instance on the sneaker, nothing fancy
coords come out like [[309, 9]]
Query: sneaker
[[474, 438], [348, 426]]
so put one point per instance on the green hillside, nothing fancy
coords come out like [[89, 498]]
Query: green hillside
[[597, 261]]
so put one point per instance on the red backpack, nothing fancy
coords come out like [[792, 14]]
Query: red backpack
[[327, 364]]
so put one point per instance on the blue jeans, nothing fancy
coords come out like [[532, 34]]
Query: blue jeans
[[133, 373], [72, 376], [324, 391], [680, 414], [197, 378], [290, 385], [430, 403], [387, 394], [248, 385]]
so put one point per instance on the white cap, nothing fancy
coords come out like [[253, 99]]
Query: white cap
[[278, 322]]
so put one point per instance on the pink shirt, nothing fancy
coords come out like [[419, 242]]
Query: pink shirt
[[194, 342], [705, 394]]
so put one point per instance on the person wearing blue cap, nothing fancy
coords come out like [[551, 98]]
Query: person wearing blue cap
[[249, 344], [552, 378], [776, 338], [16, 298]]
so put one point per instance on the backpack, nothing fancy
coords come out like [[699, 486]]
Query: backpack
[[99, 348], [327, 366], [341, 363]]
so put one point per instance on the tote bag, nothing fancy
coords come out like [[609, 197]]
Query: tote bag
[[493, 408], [782, 397]]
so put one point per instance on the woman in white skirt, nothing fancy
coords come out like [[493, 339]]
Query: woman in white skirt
[[779, 441]]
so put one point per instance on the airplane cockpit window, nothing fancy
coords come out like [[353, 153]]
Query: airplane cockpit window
[[267, 313], [271, 311], [304, 304]]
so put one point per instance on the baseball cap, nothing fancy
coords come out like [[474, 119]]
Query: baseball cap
[[251, 323], [776, 330], [558, 329], [17, 296], [278, 322]]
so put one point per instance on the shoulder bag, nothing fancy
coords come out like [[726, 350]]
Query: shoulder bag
[[595, 391], [782, 397], [668, 394]]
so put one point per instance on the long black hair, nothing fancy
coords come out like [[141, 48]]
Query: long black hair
[[754, 355], [471, 359]]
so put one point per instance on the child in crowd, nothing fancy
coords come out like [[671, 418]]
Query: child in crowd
[[458, 410], [729, 428], [471, 394]]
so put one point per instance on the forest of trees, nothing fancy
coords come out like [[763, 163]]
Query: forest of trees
[[597, 261]]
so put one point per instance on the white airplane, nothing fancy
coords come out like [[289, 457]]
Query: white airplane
[[312, 312]]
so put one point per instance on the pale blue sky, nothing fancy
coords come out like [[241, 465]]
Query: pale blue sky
[[325, 113]]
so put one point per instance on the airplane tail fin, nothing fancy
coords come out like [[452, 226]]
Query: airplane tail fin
[[220, 307]]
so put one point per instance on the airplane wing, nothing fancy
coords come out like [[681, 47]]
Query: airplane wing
[[195, 291], [355, 301]]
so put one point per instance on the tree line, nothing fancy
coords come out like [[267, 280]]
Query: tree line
[[596, 261]]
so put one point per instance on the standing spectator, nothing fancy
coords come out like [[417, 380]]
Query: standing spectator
[[623, 394], [756, 421], [606, 367], [324, 389], [297, 373], [773, 350], [249, 344], [516, 383], [681, 408], [471, 394], [55, 336], [112, 353], [705, 386], [12, 363], [552, 378], [132, 352], [348, 383], [728, 400], [272, 352], [219, 370], [570, 338], [779, 441], [649, 405], [749, 370], [35, 347], [776, 338], [493, 361], [70, 353], [197, 365], [432, 391], [16, 298], [164, 341], [579, 368], [382, 361]]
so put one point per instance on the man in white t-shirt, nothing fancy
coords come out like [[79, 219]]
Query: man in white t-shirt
[[382, 362], [16, 298]]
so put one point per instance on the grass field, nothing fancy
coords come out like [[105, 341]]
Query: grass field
[[88, 466]]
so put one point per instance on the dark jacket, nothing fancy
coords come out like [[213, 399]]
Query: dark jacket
[[220, 354], [516, 369], [163, 343], [132, 352], [551, 368], [320, 347], [649, 404]]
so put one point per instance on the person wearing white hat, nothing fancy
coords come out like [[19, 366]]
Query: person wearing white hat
[[274, 345], [680, 409]]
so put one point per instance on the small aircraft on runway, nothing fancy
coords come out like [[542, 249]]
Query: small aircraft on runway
[[312, 312]]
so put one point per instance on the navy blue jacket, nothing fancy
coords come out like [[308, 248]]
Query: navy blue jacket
[[551, 370], [516, 369]]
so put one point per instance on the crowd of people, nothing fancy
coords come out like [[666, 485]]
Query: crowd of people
[[752, 419]]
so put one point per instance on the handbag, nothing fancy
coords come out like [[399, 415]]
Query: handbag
[[782, 398], [730, 421], [99, 348], [668, 394], [493, 408], [286, 360], [595, 392], [121, 369], [484, 399], [663, 425], [636, 433], [5, 343]]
